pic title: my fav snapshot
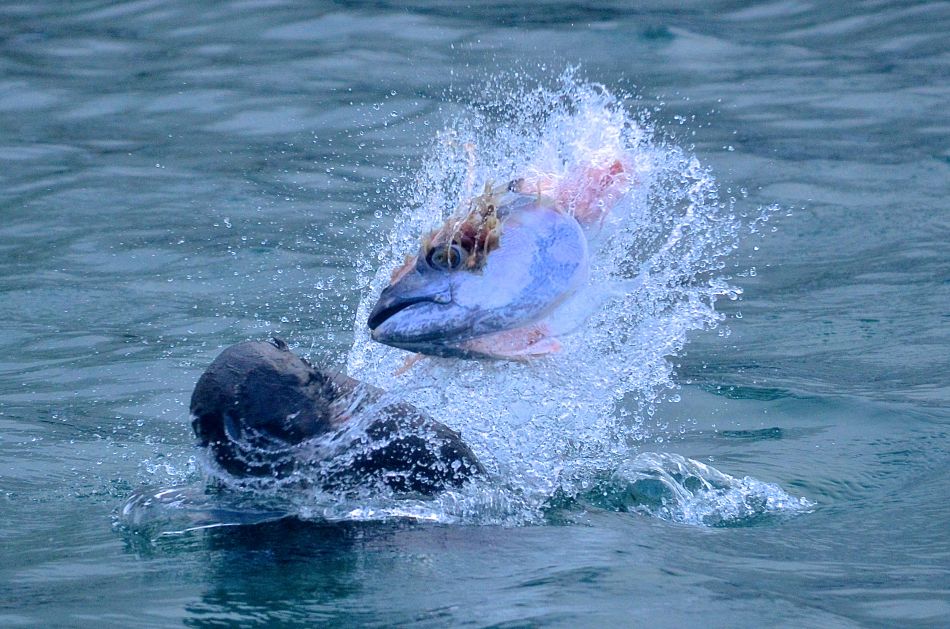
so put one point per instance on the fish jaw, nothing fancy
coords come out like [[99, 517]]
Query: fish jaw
[[416, 309], [542, 259], [420, 327], [417, 313]]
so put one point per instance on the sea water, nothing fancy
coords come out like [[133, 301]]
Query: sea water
[[178, 177]]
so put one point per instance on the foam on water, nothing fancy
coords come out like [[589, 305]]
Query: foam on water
[[573, 421]]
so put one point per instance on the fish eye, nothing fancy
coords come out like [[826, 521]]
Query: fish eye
[[446, 257]]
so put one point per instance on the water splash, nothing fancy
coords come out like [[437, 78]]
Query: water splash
[[560, 425], [550, 424], [672, 487]]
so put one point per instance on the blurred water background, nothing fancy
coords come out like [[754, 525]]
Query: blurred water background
[[176, 177]]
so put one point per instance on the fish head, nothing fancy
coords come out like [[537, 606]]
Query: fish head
[[497, 268], [417, 311]]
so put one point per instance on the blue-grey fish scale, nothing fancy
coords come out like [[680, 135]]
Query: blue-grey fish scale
[[557, 266]]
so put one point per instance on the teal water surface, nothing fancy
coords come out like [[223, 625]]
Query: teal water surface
[[176, 177]]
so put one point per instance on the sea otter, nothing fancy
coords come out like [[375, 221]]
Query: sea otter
[[260, 410]]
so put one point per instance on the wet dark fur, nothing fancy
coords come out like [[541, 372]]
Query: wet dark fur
[[258, 402]]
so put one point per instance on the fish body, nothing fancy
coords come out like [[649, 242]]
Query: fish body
[[482, 285]]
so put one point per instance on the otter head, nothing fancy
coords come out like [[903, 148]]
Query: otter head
[[256, 401]]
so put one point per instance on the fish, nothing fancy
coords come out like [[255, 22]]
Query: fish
[[489, 281]]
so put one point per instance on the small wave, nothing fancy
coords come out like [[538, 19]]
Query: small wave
[[685, 491], [179, 510], [662, 485]]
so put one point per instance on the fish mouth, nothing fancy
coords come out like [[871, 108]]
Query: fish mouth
[[412, 324], [408, 325], [385, 309], [430, 324], [410, 309]]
